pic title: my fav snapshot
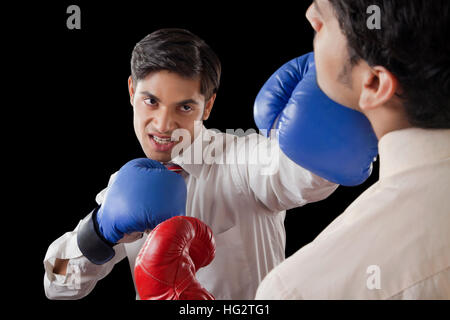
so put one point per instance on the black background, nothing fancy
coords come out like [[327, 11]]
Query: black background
[[76, 119]]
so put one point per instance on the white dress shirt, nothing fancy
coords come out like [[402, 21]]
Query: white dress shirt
[[392, 242], [242, 200]]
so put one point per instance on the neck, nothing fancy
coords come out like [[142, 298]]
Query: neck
[[385, 119]]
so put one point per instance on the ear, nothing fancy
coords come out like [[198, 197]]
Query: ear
[[208, 107], [379, 85], [131, 89]]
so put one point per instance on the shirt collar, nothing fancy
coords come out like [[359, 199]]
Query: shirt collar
[[405, 149]]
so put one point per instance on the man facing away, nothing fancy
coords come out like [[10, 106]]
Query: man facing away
[[393, 242]]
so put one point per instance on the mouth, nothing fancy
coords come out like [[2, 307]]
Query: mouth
[[161, 140], [161, 143]]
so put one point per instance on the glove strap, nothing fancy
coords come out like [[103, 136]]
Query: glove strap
[[91, 243]]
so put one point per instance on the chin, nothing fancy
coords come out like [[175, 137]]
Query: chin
[[158, 156]]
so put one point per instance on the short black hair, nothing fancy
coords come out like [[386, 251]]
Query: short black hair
[[412, 44], [179, 51]]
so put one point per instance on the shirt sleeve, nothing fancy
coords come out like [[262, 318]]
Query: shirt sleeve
[[266, 173], [81, 275], [271, 288]]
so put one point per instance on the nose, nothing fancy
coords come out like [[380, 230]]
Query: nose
[[163, 120], [308, 12], [313, 19]]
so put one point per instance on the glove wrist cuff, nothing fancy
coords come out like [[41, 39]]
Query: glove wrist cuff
[[91, 243]]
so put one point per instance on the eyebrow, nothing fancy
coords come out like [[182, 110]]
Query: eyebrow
[[186, 101], [316, 6]]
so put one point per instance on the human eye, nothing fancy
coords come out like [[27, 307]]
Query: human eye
[[150, 101], [186, 108]]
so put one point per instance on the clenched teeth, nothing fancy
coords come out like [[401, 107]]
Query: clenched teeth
[[161, 140]]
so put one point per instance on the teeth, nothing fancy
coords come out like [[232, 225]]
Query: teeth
[[162, 141]]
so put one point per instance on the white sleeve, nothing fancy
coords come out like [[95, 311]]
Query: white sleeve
[[274, 179], [81, 275], [270, 288]]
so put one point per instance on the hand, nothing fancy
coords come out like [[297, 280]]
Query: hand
[[168, 261], [324, 137], [143, 195]]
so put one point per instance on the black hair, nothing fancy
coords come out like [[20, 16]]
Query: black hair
[[179, 51], [412, 44]]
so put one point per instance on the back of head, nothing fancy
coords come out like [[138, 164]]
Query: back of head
[[412, 43]]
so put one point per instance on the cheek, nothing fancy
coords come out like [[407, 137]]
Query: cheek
[[189, 125], [140, 119], [329, 62], [329, 52], [192, 123], [324, 68], [137, 116]]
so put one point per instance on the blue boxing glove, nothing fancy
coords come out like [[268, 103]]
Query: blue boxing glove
[[324, 137], [143, 195]]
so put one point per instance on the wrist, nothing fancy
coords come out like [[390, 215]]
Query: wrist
[[94, 246], [98, 227]]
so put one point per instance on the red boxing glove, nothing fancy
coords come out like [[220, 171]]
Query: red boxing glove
[[170, 257]]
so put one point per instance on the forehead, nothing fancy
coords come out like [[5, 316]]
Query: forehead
[[167, 83]]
